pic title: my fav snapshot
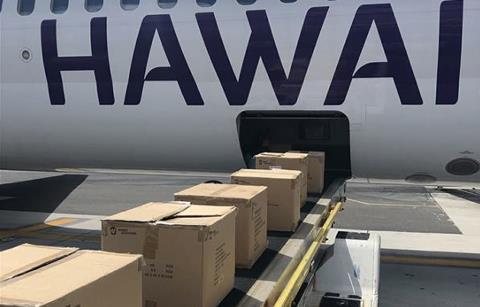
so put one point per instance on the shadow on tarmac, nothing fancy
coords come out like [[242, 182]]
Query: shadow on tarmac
[[39, 195]]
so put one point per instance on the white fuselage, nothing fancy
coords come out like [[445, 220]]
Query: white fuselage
[[392, 134]]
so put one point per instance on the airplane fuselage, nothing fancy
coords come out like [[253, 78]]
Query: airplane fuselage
[[155, 88]]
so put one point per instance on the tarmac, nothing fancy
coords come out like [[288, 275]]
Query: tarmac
[[430, 237]]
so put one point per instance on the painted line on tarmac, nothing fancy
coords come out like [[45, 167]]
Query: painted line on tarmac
[[62, 237], [465, 214], [431, 261], [22, 231]]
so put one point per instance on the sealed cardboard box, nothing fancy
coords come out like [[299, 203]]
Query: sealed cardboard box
[[57, 277], [251, 222], [316, 171], [283, 187], [289, 160], [189, 250]]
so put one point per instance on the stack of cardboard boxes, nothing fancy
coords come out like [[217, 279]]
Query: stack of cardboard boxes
[[190, 247]]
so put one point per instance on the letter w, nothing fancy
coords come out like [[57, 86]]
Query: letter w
[[262, 46]]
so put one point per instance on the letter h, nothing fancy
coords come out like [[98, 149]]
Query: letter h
[[98, 61]]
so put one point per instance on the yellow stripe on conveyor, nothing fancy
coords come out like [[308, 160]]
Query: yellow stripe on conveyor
[[295, 282]]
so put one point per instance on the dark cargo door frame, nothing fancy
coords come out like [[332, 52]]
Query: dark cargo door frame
[[280, 131]]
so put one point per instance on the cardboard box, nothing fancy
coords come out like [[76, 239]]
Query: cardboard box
[[58, 277], [289, 160], [27, 257], [283, 194], [316, 171], [189, 250], [251, 222]]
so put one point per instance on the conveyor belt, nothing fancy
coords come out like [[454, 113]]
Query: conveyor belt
[[263, 284]]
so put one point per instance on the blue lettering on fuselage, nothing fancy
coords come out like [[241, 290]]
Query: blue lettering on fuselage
[[397, 66], [262, 48], [177, 71], [98, 61], [449, 52]]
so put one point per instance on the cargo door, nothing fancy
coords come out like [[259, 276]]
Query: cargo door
[[282, 131]]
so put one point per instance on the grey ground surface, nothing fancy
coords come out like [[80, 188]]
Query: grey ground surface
[[90, 193], [368, 206], [420, 286], [407, 216], [393, 208]]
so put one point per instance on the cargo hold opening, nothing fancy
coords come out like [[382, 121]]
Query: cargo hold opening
[[281, 131]]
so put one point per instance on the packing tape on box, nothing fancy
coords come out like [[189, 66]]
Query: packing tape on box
[[35, 265], [149, 303], [223, 190], [202, 234], [224, 201], [271, 154], [141, 264], [151, 242]]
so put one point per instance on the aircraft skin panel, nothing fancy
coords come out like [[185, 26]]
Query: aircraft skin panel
[[381, 63]]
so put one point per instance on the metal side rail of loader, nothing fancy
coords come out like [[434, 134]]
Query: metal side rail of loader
[[272, 275], [306, 265]]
